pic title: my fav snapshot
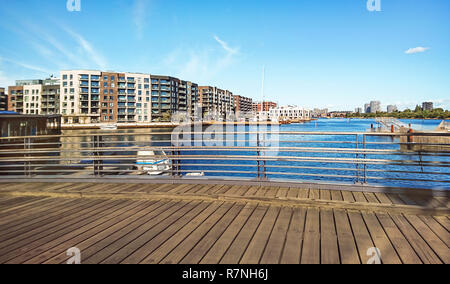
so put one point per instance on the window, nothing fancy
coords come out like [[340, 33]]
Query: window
[[112, 78], [64, 84], [105, 78], [105, 85], [64, 77]]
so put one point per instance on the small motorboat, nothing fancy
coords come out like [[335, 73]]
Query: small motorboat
[[108, 127], [153, 162]]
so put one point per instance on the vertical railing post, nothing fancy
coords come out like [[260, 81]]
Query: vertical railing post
[[97, 163], [357, 159], [258, 154], [365, 157]]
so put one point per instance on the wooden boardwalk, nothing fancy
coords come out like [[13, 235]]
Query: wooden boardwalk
[[211, 224]]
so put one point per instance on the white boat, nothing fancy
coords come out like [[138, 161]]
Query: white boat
[[108, 127], [153, 162]]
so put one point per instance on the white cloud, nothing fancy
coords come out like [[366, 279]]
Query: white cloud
[[417, 50], [86, 48], [27, 66], [140, 16], [225, 46]]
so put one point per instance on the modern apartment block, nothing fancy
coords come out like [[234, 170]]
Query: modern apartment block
[[216, 103], [171, 95], [375, 106], [3, 100], [427, 106], [35, 97], [243, 104], [111, 97], [291, 113], [391, 108], [263, 106]]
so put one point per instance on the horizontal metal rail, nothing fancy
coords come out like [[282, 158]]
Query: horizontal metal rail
[[346, 157]]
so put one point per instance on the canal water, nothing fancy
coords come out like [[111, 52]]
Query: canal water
[[333, 169]]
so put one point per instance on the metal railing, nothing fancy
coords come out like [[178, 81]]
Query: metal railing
[[394, 159]]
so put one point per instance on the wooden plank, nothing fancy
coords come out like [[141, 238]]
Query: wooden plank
[[256, 247], [235, 190], [444, 221], [224, 242], [141, 255], [437, 228], [407, 200], [361, 234], [11, 224], [325, 194], [293, 193], [252, 191], [303, 193], [401, 245], [194, 189], [274, 248], [328, 238], [139, 237], [96, 225], [244, 190], [314, 194], [383, 198], [108, 236], [311, 238], [29, 228], [381, 240], [95, 251], [177, 255], [283, 192], [23, 208], [34, 241], [204, 245], [347, 196], [337, 195], [239, 245], [395, 198], [294, 238], [359, 197], [204, 189], [431, 239], [272, 191], [347, 246], [422, 249], [44, 206], [261, 191], [164, 249], [371, 198]]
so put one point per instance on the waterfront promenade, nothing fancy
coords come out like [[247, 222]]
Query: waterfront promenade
[[219, 222]]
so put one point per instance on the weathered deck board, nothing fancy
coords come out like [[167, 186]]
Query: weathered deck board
[[190, 223]]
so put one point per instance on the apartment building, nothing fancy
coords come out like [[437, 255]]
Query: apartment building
[[291, 113], [216, 103], [375, 106], [263, 106], [38, 97], [3, 100], [243, 104], [427, 106], [391, 108], [104, 97]]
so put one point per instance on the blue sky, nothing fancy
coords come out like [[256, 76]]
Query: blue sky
[[317, 53]]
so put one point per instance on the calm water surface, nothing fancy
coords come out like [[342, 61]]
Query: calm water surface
[[307, 171]]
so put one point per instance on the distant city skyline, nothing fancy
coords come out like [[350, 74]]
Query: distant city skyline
[[332, 54]]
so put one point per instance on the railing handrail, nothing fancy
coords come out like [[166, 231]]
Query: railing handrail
[[375, 134]]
